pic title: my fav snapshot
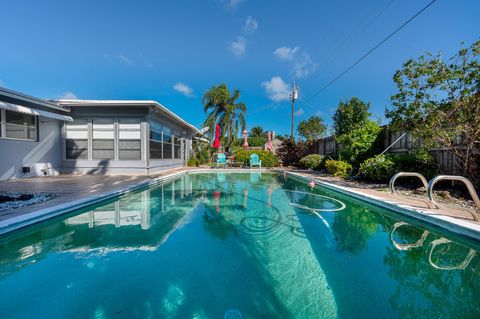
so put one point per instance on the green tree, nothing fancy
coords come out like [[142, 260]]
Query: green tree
[[257, 131], [224, 109], [312, 129], [438, 101], [350, 115], [360, 143]]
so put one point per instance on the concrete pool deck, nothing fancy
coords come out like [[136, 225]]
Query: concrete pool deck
[[70, 189]]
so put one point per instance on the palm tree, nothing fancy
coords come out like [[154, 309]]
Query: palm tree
[[257, 131], [224, 110]]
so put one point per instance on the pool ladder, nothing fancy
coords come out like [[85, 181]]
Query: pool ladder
[[430, 200]]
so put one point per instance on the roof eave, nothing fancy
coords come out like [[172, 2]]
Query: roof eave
[[30, 99], [70, 103]]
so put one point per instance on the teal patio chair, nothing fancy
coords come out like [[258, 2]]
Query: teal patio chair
[[255, 161], [221, 160]]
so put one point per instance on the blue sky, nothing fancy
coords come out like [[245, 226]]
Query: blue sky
[[173, 51]]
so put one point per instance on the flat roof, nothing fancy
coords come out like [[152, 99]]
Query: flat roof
[[137, 103]]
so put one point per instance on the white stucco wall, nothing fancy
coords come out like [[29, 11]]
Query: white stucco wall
[[46, 152]]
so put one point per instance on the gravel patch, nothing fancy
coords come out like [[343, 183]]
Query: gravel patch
[[17, 200]]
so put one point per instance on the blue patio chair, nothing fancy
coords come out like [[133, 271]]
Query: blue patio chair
[[255, 161], [221, 160]]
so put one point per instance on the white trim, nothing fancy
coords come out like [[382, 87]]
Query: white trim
[[30, 99], [31, 111]]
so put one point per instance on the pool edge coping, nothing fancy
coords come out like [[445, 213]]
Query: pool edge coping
[[454, 225], [457, 226]]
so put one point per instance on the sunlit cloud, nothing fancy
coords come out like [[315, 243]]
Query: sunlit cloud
[[302, 64], [285, 53], [239, 47], [184, 89], [232, 4], [251, 25], [276, 89], [124, 59]]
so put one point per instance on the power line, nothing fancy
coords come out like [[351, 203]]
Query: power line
[[371, 50]]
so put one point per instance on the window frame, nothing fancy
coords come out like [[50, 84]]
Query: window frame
[[4, 123]]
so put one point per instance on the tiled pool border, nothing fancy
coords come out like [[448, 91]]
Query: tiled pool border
[[453, 225]]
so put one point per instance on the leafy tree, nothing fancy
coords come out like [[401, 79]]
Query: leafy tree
[[257, 131], [360, 143], [312, 129], [256, 141], [438, 101], [350, 115], [224, 109]]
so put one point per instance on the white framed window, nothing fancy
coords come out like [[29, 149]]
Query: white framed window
[[129, 139], [76, 134], [103, 139], [18, 126]]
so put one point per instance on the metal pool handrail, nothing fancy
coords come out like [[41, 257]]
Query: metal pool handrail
[[467, 183], [430, 203], [462, 265]]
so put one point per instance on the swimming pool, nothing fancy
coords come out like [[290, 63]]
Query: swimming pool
[[233, 245]]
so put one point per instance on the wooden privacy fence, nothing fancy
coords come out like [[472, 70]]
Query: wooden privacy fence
[[447, 161]]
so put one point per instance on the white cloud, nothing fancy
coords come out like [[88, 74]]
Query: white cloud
[[184, 89], [285, 53], [299, 112], [277, 90], [68, 96], [2, 84], [302, 64], [124, 59], [232, 4], [251, 24], [239, 47]]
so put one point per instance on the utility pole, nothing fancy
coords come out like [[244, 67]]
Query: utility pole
[[293, 96]]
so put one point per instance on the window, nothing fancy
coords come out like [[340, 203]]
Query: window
[[129, 145], [103, 139], [177, 147], [155, 145], [20, 126], [167, 145], [161, 142], [77, 140]]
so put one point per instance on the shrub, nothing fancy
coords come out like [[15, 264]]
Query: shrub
[[420, 161], [290, 152], [338, 168], [268, 159], [361, 143], [192, 161], [312, 161], [378, 168], [256, 141]]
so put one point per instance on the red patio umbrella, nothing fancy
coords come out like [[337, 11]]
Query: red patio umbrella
[[216, 142]]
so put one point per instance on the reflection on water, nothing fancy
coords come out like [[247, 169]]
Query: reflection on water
[[256, 244]]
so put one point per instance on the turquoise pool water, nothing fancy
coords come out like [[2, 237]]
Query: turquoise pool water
[[236, 246]]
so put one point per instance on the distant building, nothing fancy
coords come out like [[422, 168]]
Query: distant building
[[42, 137]]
